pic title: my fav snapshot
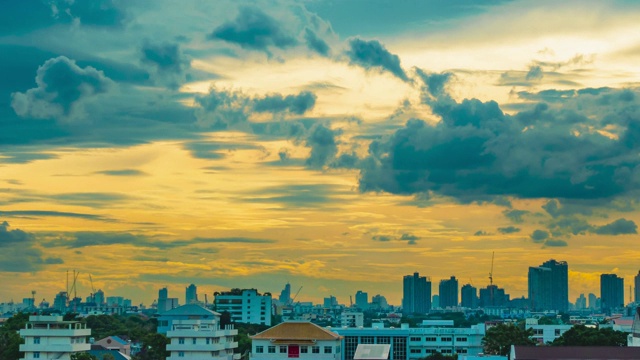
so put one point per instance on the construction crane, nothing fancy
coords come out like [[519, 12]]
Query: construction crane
[[295, 296], [93, 290], [33, 298], [491, 280]]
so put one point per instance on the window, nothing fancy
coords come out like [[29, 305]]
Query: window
[[446, 351], [36, 340], [445, 339], [537, 331], [194, 341], [208, 341], [430, 339], [328, 350], [259, 349], [557, 332], [416, 351], [414, 338], [271, 349], [461, 339], [283, 349], [315, 349], [180, 340], [36, 355], [304, 349], [180, 353]]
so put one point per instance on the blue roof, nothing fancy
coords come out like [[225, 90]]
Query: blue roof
[[119, 339]]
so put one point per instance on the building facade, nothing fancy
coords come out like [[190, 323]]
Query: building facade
[[549, 286], [636, 281], [362, 300], [49, 337], [415, 343], [448, 291], [245, 305], [194, 333], [469, 296], [611, 292], [296, 339], [416, 294], [191, 294], [493, 296], [351, 319]]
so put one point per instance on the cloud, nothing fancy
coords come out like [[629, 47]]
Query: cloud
[[373, 55], [534, 73], [295, 196], [508, 230], [409, 238], [18, 252], [167, 59], [480, 233], [295, 104], [324, 146], [62, 88], [554, 243], [618, 227], [382, 238], [97, 200], [515, 215], [315, 43], [103, 13], [255, 30], [122, 172], [539, 236], [42, 213], [477, 151]]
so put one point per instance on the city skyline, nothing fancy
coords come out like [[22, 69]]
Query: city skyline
[[335, 145]]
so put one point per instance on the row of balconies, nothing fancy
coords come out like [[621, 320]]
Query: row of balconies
[[55, 333], [54, 348], [189, 346]]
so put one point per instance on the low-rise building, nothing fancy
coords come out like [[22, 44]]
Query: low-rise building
[[296, 339], [351, 319], [245, 305], [49, 337], [544, 334]]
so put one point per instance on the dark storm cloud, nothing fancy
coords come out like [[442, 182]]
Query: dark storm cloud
[[103, 13], [315, 43], [545, 152], [295, 104], [254, 29], [568, 225], [539, 236], [618, 227], [20, 157], [508, 230], [372, 55], [18, 252], [61, 87]]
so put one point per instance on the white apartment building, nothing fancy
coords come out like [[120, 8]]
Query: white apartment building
[[194, 333], [245, 306], [296, 339], [48, 337], [547, 333], [351, 319]]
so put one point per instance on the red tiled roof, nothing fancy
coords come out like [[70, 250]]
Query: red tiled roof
[[296, 331]]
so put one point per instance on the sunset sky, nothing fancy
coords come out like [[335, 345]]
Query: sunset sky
[[336, 145]]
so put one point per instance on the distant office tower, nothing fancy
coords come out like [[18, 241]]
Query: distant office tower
[[611, 292], [435, 301], [362, 300], [191, 294], [581, 302], [163, 294], [593, 302], [493, 296], [285, 295], [448, 290], [99, 298], [115, 301], [330, 301], [379, 302], [549, 286], [416, 294], [469, 296], [60, 301], [637, 288]]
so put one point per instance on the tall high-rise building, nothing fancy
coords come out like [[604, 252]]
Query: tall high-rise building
[[285, 295], [469, 295], [362, 300], [581, 302], [416, 294], [99, 298], [191, 294], [593, 301], [448, 291], [611, 292], [636, 280], [379, 302], [549, 286], [493, 296]]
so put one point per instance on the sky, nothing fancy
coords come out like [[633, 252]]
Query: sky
[[335, 145]]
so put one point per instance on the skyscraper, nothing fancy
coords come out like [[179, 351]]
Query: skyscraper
[[416, 294], [636, 280], [549, 286], [448, 291], [285, 295], [191, 294], [593, 301], [362, 300], [469, 295], [611, 292]]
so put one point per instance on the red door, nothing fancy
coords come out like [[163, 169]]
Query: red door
[[294, 351]]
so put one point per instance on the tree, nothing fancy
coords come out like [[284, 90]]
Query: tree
[[580, 335], [108, 357], [499, 338], [83, 356], [439, 356], [10, 339], [154, 347]]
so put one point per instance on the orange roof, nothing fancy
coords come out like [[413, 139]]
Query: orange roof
[[295, 330]]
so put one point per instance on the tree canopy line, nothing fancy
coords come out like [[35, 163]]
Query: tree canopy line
[[137, 328]]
